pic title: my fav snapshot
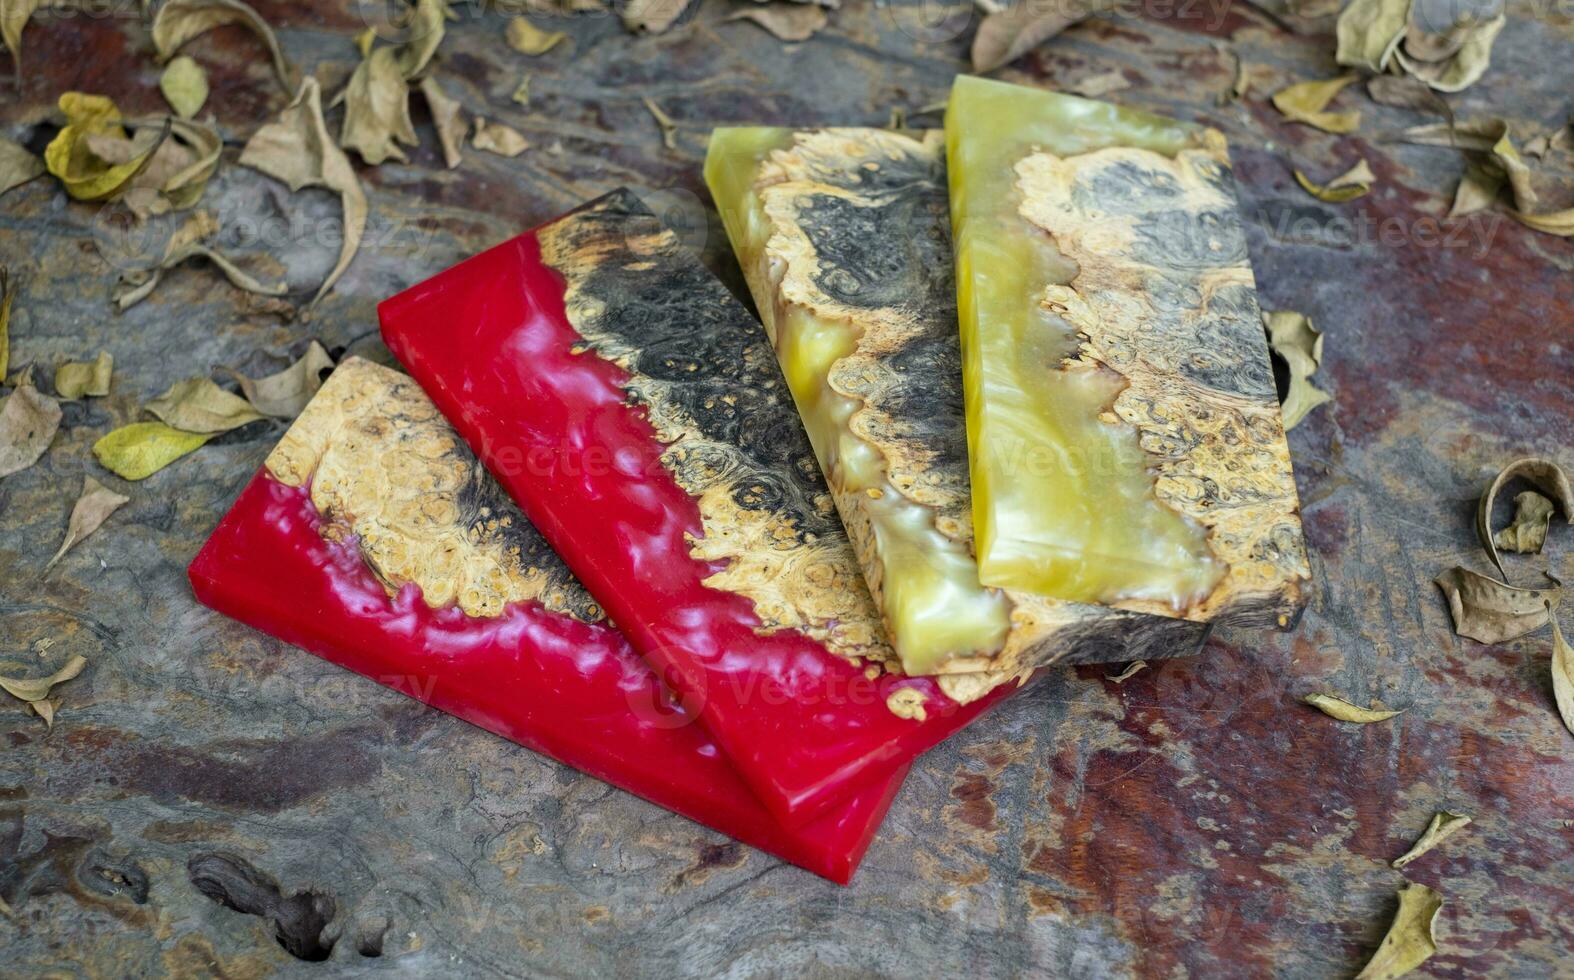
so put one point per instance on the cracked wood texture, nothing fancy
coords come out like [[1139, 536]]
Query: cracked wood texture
[[209, 797]]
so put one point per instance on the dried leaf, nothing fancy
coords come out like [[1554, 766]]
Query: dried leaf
[[184, 244], [1475, 134], [428, 24], [1464, 66], [73, 155], [37, 688], [199, 405], [1409, 941], [1292, 337], [669, 129], [185, 86], [1337, 707], [1404, 92], [1348, 186], [297, 149], [77, 379], [14, 15], [1128, 673], [786, 21], [45, 709], [448, 117], [1505, 157], [364, 42], [138, 450], [1562, 674], [1477, 189], [1305, 102], [521, 94], [497, 138], [1552, 223], [1005, 35], [92, 508], [28, 422], [178, 21], [527, 38], [1544, 475], [284, 394], [1102, 83], [1532, 516], [1369, 31], [17, 166], [1490, 611], [1443, 825], [652, 16], [377, 110]]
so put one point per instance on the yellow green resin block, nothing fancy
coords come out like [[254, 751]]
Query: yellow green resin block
[[843, 236], [1124, 436]]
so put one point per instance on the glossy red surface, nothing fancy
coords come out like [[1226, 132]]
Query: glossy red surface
[[570, 690], [490, 343]]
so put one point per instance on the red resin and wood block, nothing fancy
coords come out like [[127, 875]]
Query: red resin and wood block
[[636, 412], [373, 538]]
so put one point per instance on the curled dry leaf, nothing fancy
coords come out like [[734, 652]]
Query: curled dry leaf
[[448, 117], [1562, 673], [1528, 533], [93, 127], [786, 21], [78, 379], [1464, 134], [427, 26], [46, 709], [1490, 611], [907, 702], [1369, 31], [185, 86], [1409, 942], [297, 149], [1128, 673], [527, 38], [1348, 186], [198, 405], [497, 138], [1305, 102], [37, 688], [652, 16], [28, 423], [92, 508], [184, 244], [17, 165], [1443, 826], [1477, 189], [284, 394], [138, 450], [1007, 34], [1464, 56], [1337, 707], [1544, 475], [669, 129], [1292, 337], [178, 21], [178, 173], [377, 109]]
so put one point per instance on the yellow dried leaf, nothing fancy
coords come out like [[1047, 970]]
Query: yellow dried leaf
[[364, 42], [28, 423], [669, 129], [1490, 611], [199, 405], [1369, 31], [1528, 532], [428, 24], [1337, 707], [78, 379], [448, 117], [1562, 673], [521, 94], [786, 21], [178, 21], [527, 38], [71, 157], [138, 450], [1544, 475], [1348, 186], [1292, 337], [907, 702], [377, 110], [1305, 102], [1463, 66], [92, 508], [497, 138], [185, 86], [37, 688], [17, 165], [284, 394], [1443, 825], [297, 149], [1409, 942]]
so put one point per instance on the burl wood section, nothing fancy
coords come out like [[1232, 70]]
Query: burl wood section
[[1164, 298], [1193, 821], [860, 234]]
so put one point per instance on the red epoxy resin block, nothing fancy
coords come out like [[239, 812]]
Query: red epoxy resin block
[[636, 412], [371, 497]]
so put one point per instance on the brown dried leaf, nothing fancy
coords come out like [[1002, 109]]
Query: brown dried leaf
[[1409, 942], [448, 117], [178, 21], [1292, 337], [1337, 707], [1348, 186], [1528, 532], [93, 127], [1443, 826], [1473, 134], [185, 86], [297, 149], [138, 450], [1490, 611], [377, 110], [1404, 92], [786, 21], [92, 508], [45, 709], [1562, 674], [17, 165], [1304, 103], [78, 379], [1544, 475], [284, 394], [184, 244], [527, 38], [1460, 67], [669, 129], [199, 405], [1007, 34], [28, 422], [1369, 31], [497, 138], [37, 688], [652, 16]]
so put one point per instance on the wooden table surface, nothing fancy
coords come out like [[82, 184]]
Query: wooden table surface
[[1194, 821]]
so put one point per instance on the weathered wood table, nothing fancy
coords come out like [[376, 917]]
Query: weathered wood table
[[1195, 820]]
